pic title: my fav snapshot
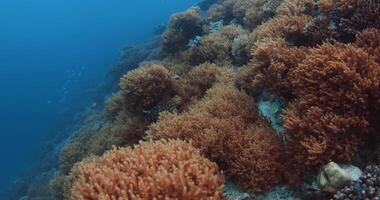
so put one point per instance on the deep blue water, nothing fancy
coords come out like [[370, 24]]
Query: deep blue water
[[49, 48]]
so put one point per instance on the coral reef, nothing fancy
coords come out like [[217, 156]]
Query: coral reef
[[351, 17], [216, 47], [143, 88], [289, 27], [194, 85], [250, 13], [369, 41], [330, 116], [182, 27], [270, 91], [227, 128], [272, 62], [161, 170]]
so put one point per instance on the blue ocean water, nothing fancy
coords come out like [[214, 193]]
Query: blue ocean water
[[50, 50]]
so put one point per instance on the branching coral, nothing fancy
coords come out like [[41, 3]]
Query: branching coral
[[216, 47], [330, 116], [317, 136], [212, 48], [145, 87], [182, 27], [369, 41], [188, 23], [161, 170], [319, 30], [340, 77], [222, 11], [284, 26], [239, 50], [227, 128], [172, 41], [272, 62], [295, 8], [264, 147], [289, 23], [201, 78], [351, 17], [344, 6], [365, 14], [249, 13]]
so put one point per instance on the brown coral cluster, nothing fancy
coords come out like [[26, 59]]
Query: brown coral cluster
[[216, 47], [369, 41], [227, 128], [193, 85], [273, 60], [161, 170], [331, 113], [351, 17], [250, 13], [289, 23], [182, 27], [145, 87]]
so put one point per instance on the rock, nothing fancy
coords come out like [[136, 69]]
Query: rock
[[354, 172], [280, 193], [233, 192], [332, 178], [271, 108]]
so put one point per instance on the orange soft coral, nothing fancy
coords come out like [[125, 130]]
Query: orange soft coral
[[369, 41], [227, 128], [289, 23], [182, 27], [364, 15], [250, 13], [345, 6], [352, 16], [295, 7], [216, 47], [339, 77], [289, 27], [330, 116], [317, 136], [272, 62], [144, 87], [201, 78], [160, 170], [222, 11]]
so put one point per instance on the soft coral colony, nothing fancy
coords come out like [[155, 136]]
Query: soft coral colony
[[196, 112]]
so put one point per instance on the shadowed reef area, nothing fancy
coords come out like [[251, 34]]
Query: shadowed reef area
[[234, 99]]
